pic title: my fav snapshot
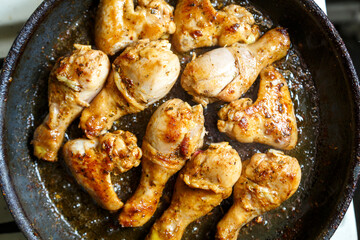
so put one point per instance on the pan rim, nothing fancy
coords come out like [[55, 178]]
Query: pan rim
[[44, 9], [10, 63], [348, 67]]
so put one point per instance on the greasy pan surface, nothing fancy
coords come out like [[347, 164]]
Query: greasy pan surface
[[327, 191]]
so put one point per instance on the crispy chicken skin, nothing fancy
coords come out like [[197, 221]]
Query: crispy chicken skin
[[198, 24], [73, 83], [205, 181], [175, 131], [270, 120], [92, 161], [267, 180], [118, 24], [144, 73], [227, 73]]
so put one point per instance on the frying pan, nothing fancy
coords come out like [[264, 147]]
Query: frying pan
[[23, 83]]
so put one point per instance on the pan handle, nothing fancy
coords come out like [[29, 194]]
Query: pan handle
[[1, 62]]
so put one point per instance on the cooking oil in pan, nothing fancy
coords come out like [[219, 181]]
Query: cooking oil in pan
[[91, 222]]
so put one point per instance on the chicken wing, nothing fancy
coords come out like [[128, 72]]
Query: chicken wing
[[174, 133], [118, 24], [205, 181], [198, 24], [73, 83], [92, 161], [144, 73], [267, 180], [227, 73], [270, 120]]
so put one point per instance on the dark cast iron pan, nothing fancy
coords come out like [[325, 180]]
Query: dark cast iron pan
[[22, 107]]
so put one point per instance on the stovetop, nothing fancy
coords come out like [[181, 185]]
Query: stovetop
[[12, 16]]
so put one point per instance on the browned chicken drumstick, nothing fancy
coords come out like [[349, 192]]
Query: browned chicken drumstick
[[73, 83], [270, 120], [174, 133], [227, 73], [144, 73], [205, 181], [267, 180], [198, 24], [119, 24], [92, 161]]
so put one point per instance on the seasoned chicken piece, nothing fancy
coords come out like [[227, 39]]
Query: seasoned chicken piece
[[118, 24], [267, 180], [174, 133], [92, 161], [227, 73], [73, 83], [144, 73], [198, 24], [205, 181], [270, 120]]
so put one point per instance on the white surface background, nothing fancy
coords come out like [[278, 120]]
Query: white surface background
[[14, 13]]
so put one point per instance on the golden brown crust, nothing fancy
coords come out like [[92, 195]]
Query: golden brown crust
[[198, 24], [267, 180], [270, 120], [74, 81], [119, 24], [92, 161], [174, 133], [202, 184], [108, 106]]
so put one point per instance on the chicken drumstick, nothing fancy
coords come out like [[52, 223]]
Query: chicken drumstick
[[270, 120], [227, 73], [174, 133], [144, 73], [92, 161], [205, 181], [73, 83], [118, 24], [267, 180], [198, 24]]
